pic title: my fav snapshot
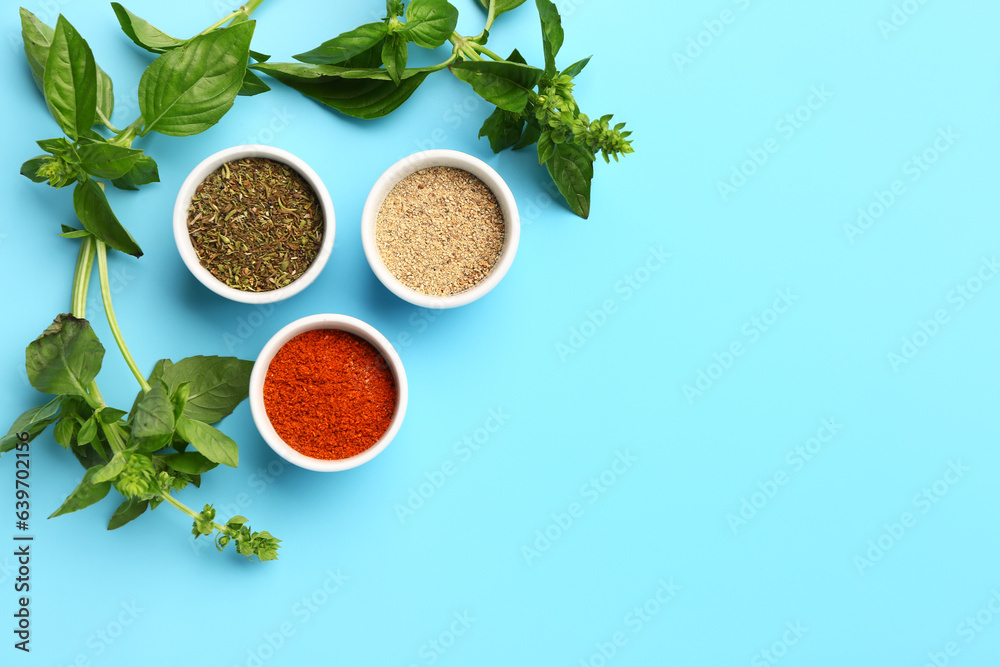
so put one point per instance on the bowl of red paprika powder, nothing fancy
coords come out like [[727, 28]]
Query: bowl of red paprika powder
[[328, 392]]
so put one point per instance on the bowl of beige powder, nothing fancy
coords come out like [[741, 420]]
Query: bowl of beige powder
[[440, 228]]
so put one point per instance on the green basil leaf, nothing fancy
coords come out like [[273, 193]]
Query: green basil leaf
[[506, 84], [89, 457], [143, 33], [179, 397], [189, 463], [76, 234], [110, 415], [37, 38], [105, 98], [84, 495], [107, 161], [65, 431], [212, 443], [370, 59], [216, 385], [516, 57], [59, 147], [532, 132], [154, 414], [574, 70], [253, 85], [30, 168], [546, 147], [142, 172], [65, 358], [32, 422], [189, 89], [127, 511], [88, 431], [110, 471], [258, 56], [552, 33], [501, 6], [572, 169], [370, 95], [394, 52], [94, 211], [154, 378], [70, 80], [430, 22], [503, 129], [347, 45]]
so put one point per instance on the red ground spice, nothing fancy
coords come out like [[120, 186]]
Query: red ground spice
[[329, 394]]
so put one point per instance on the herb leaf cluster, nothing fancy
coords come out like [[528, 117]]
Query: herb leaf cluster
[[363, 73], [167, 439]]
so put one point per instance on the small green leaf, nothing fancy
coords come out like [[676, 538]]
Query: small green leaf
[[253, 85], [532, 132], [189, 89], [65, 358], [190, 463], [37, 38], [32, 422], [179, 397], [503, 129], [506, 84], [59, 147], [70, 80], [107, 161], [142, 172], [546, 147], [209, 441], [371, 95], [154, 414], [110, 471], [501, 6], [126, 512], [394, 56], [143, 33], [552, 33], [88, 431], [215, 385], [94, 211], [88, 457], [430, 22], [516, 57], [64, 432], [347, 45], [105, 98], [30, 168], [574, 70], [84, 495], [110, 415], [572, 169]]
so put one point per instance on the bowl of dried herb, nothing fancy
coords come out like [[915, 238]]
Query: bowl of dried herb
[[440, 228], [328, 392], [254, 223]]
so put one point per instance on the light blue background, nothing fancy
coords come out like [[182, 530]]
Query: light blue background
[[358, 585]]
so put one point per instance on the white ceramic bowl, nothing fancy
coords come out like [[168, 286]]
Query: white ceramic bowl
[[440, 158], [259, 373], [183, 239]]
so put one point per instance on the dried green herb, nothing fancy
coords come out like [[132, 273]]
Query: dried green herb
[[256, 224]]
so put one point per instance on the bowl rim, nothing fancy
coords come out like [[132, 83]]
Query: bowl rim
[[440, 157], [259, 373], [183, 239]]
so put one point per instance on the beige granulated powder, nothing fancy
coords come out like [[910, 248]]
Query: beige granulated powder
[[440, 231]]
